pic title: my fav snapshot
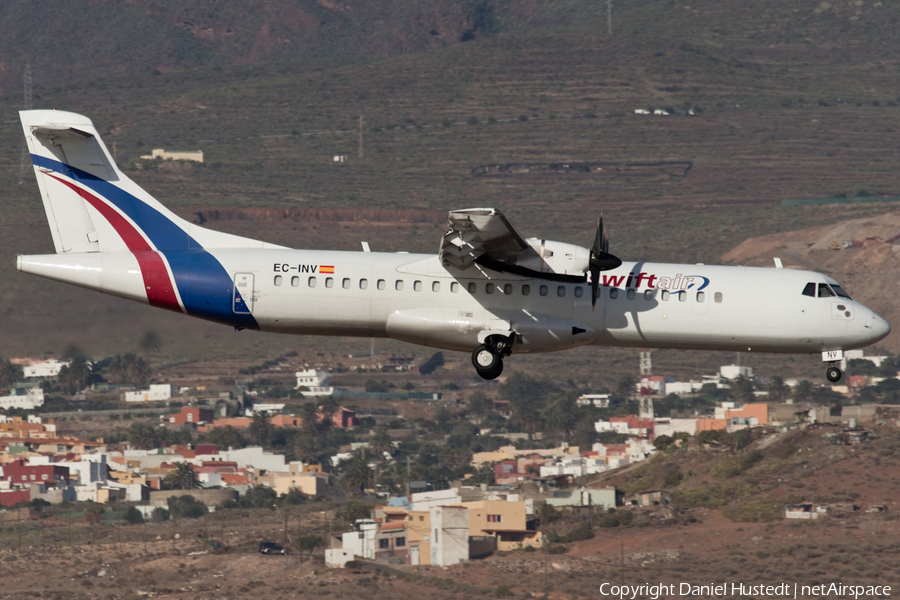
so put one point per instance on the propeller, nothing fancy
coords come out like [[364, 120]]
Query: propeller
[[601, 259]]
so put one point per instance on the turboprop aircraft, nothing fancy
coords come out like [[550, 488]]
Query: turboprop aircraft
[[488, 291]]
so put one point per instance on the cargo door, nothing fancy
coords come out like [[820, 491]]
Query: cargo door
[[243, 293]]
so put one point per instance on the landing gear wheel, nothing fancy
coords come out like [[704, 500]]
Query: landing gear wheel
[[487, 362], [833, 374]]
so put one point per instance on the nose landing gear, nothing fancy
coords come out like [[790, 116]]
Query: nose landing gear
[[833, 374], [488, 358]]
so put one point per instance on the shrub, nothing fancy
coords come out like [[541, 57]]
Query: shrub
[[159, 515], [580, 533], [758, 510], [557, 549], [186, 507], [133, 516], [547, 513]]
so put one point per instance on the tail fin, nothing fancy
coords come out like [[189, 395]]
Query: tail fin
[[91, 205]]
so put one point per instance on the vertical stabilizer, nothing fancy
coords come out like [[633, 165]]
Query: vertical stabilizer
[[67, 139], [92, 206]]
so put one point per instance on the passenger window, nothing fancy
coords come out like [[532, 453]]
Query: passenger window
[[701, 296], [526, 289], [561, 291], [579, 292], [718, 297], [810, 290], [630, 294], [613, 293], [295, 281], [454, 287], [489, 288], [417, 286], [682, 296], [544, 290], [398, 285], [278, 280], [472, 287], [312, 282], [363, 284], [346, 283], [648, 294], [329, 282], [664, 295], [435, 286], [825, 291], [380, 284], [507, 289]]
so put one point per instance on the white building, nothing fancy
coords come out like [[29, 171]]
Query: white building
[[449, 535], [361, 541], [428, 500], [576, 466], [670, 427], [26, 398], [316, 382], [194, 155], [47, 368], [735, 371], [272, 408], [156, 393], [598, 400]]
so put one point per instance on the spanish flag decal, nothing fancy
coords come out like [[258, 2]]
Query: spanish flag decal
[[326, 269]]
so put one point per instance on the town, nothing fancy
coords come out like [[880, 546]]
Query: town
[[399, 473]]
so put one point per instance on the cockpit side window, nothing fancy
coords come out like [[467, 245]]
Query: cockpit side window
[[810, 290], [840, 291], [825, 291]]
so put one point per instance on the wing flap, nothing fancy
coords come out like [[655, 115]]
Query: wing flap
[[474, 232]]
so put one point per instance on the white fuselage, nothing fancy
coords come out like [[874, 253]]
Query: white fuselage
[[415, 299]]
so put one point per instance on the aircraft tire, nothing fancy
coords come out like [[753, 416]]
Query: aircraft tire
[[487, 362], [833, 374]]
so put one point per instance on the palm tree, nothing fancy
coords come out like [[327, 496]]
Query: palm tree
[[778, 389], [305, 449], [357, 474], [803, 391], [261, 428], [478, 405], [183, 476], [309, 415], [329, 407], [741, 389], [381, 442]]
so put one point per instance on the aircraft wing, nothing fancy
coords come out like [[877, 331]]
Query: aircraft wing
[[474, 232]]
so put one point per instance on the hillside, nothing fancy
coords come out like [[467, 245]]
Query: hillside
[[871, 273], [792, 103]]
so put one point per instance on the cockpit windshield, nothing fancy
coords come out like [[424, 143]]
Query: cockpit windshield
[[840, 291], [823, 290]]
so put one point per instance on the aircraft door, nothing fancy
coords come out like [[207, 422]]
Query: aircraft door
[[243, 293]]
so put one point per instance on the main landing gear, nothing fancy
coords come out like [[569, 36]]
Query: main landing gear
[[833, 374], [488, 358]]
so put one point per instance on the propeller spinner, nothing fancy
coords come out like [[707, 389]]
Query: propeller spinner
[[601, 259]]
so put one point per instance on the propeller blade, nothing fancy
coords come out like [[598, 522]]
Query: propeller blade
[[601, 259]]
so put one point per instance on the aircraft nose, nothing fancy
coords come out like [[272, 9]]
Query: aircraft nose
[[879, 328]]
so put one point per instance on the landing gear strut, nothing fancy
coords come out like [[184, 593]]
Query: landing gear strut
[[488, 358], [833, 374]]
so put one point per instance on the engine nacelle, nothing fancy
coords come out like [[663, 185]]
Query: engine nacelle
[[556, 257]]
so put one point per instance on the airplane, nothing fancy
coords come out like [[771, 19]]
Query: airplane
[[488, 291]]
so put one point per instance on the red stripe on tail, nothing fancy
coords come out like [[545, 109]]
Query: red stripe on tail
[[157, 283]]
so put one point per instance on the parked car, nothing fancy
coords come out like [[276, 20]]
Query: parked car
[[271, 548]]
